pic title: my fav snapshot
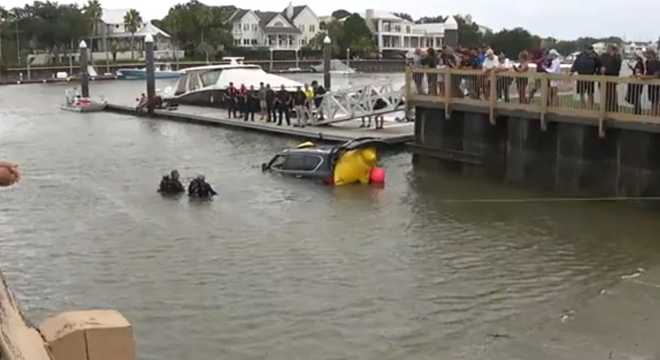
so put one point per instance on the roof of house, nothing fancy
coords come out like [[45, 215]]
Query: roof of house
[[238, 14], [147, 28], [385, 15], [296, 11], [113, 16], [267, 16]]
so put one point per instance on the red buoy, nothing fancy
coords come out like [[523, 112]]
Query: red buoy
[[377, 176]]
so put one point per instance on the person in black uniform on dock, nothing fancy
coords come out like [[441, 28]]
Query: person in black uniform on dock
[[283, 100], [251, 104], [231, 99], [270, 104]]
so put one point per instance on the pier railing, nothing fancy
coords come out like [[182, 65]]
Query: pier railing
[[593, 98]]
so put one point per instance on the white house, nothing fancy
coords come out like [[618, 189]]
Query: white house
[[290, 29], [113, 37], [305, 20], [396, 34], [631, 48]]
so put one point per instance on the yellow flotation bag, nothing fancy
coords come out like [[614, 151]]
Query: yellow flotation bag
[[355, 166]]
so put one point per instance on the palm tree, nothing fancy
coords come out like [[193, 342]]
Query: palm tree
[[132, 22], [93, 12], [4, 18]]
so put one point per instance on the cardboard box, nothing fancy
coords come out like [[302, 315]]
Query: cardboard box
[[89, 335]]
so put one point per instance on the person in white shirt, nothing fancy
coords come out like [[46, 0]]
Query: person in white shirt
[[553, 69], [490, 65]]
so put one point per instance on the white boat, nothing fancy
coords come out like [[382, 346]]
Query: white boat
[[161, 71], [206, 85], [74, 102], [337, 67]]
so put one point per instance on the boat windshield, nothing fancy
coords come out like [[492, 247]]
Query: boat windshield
[[211, 77], [181, 85]]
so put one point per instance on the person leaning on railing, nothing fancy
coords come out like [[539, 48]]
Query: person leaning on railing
[[553, 69], [634, 90], [586, 63], [653, 73], [9, 173], [418, 78], [503, 82], [523, 81], [431, 62], [611, 67], [490, 65]]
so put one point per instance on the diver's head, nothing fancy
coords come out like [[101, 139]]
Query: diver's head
[[201, 178], [174, 175]]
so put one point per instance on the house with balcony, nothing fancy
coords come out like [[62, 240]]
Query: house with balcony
[[113, 38], [290, 29], [304, 18], [395, 34]]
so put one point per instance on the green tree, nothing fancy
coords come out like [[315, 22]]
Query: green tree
[[468, 32], [356, 36], [199, 28], [49, 26], [94, 12], [511, 42], [404, 16], [4, 22], [432, 19], [132, 22], [340, 14]]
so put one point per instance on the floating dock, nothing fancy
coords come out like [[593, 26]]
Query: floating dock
[[393, 132]]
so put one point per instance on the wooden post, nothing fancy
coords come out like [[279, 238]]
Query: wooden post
[[150, 70], [603, 106], [84, 75], [493, 95], [448, 94], [544, 99]]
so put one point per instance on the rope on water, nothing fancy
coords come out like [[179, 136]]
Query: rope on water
[[550, 200]]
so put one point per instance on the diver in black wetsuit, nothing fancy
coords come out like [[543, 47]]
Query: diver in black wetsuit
[[170, 184], [200, 189]]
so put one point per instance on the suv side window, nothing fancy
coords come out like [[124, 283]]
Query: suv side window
[[298, 162]]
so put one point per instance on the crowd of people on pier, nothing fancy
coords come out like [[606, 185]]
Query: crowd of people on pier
[[646, 66], [276, 105]]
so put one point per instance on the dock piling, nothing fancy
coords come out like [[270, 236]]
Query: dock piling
[[327, 53], [150, 69], [84, 75]]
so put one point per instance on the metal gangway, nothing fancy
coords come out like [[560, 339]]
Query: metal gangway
[[358, 102]]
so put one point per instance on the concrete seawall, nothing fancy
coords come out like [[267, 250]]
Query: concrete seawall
[[567, 156], [38, 74]]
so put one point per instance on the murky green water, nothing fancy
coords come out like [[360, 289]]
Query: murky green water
[[280, 268]]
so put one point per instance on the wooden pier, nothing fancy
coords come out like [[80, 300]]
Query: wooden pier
[[393, 132]]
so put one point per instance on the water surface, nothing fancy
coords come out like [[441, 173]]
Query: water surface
[[280, 268]]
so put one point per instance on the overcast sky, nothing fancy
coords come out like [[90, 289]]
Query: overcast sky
[[564, 19]]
